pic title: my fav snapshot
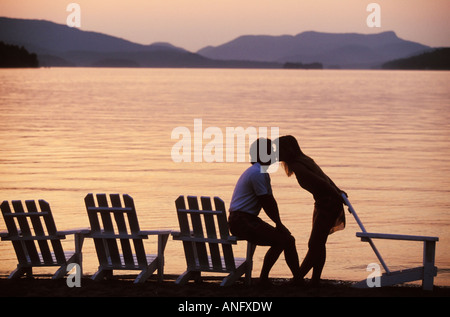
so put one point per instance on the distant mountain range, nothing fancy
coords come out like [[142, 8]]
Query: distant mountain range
[[347, 50], [60, 45]]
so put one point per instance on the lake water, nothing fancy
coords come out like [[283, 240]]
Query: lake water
[[382, 136]]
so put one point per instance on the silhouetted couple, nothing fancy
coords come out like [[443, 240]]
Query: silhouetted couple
[[253, 191]]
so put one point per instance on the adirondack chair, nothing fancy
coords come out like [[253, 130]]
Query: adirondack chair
[[426, 273], [37, 243], [114, 256], [195, 240]]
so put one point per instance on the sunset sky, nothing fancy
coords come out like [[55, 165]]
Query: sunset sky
[[193, 24]]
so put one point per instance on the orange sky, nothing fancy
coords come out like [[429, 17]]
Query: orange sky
[[193, 24]]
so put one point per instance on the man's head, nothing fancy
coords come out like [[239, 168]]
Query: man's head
[[261, 152]]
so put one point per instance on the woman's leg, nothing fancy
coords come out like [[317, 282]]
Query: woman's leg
[[318, 265], [316, 256]]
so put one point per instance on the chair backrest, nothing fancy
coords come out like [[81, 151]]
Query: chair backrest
[[115, 221], [25, 226], [195, 237]]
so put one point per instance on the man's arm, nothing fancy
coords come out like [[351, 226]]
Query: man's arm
[[270, 206]]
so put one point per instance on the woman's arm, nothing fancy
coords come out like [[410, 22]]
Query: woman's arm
[[337, 188]]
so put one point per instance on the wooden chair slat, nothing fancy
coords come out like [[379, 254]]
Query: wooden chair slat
[[51, 229], [134, 228], [13, 232], [107, 224], [8, 217], [29, 246], [95, 228], [211, 232], [188, 246], [118, 216], [22, 219], [92, 214], [182, 217], [111, 247], [132, 216], [225, 233], [122, 228], [48, 217], [222, 218], [197, 227]]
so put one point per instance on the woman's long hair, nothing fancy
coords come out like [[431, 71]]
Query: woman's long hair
[[290, 152]]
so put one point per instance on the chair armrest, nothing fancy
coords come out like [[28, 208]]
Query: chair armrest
[[177, 234], [369, 235], [4, 235], [155, 232], [83, 231]]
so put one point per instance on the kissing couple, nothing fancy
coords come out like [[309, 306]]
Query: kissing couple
[[253, 192]]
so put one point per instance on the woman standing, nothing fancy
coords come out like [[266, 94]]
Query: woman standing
[[328, 214]]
